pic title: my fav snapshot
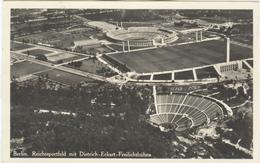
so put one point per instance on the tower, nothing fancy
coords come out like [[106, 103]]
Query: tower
[[123, 46], [228, 50], [128, 45]]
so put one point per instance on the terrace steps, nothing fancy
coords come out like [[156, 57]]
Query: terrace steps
[[185, 110]]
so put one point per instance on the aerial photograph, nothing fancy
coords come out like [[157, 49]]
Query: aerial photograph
[[131, 83]]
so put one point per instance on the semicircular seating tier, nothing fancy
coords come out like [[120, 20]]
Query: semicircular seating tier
[[183, 111]]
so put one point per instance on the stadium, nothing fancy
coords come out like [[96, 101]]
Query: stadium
[[158, 59], [200, 60], [142, 36], [177, 82], [181, 111]]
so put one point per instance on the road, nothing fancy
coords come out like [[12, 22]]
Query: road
[[60, 67], [51, 49]]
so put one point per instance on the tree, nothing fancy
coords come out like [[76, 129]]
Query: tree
[[42, 57], [179, 24], [60, 61], [194, 24]]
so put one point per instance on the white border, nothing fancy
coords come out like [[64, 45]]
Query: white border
[[122, 5]]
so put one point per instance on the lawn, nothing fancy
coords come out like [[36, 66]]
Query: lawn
[[61, 39], [64, 57], [183, 75], [98, 48], [65, 77], [207, 72], [45, 37], [167, 76], [181, 56], [19, 46], [144, 77], [26, 68], [95, 67], [36, 52], [91, 65]]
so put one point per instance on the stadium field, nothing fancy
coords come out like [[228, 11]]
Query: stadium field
[[19, 46], [65, 77], [26, 68], [37, 52], [181, 56]]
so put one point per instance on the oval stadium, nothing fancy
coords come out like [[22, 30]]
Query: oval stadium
[[143, 36], [169, 83]]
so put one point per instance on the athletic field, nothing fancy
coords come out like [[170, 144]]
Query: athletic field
[[26, 68], [65, 77], [181, 56], [37, 52]]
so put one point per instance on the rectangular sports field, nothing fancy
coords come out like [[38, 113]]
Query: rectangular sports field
[[181, 56], [26, 68], [64, 56], [65, 77], [37, 52]]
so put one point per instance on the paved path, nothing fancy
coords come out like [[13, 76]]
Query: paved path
[[60, 67], [237, 146], [50, 49]]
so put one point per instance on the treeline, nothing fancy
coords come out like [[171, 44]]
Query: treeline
[[227, 14], [96, 127], [122, 67], [126, 15]]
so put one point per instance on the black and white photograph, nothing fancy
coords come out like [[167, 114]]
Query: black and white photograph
[[132, 83]]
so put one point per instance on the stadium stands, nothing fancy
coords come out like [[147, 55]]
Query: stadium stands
[[122, 67], [142, 36], [185, 110]]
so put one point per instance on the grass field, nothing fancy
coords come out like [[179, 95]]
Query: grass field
[[91, 65], [61, 39], [37, 52], [144, 77], [19, 46], [26, 68], [64, 56], [98, 48], [182, 56], [65, 77], [167, 76], [94, 66], [206, 72], [45, 37], [183, 75]]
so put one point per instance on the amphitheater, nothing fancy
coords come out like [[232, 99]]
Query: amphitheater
[[184, 111], [142, 36]]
